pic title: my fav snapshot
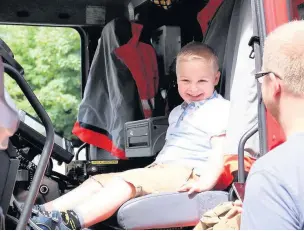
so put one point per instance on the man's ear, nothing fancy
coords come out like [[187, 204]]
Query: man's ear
[[217, 78], [275, 84]]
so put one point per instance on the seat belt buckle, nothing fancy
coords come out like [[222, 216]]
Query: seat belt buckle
[[252, 41]]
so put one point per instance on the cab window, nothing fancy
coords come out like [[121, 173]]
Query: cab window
[[51, 58]]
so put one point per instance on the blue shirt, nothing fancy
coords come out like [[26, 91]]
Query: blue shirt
[[191, 127], [274, 195]]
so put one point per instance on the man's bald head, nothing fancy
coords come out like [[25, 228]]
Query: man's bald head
[[284, 55]]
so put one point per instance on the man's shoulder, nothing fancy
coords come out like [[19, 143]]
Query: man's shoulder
[[288, 155], [276, 177], [273, 158]]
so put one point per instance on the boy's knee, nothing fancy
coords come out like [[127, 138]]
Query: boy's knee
[[93, 180], [119, 183], [102, 179]]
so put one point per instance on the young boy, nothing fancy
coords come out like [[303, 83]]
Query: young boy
[[193, 148]]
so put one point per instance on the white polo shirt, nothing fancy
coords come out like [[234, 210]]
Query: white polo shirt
[[191, 127]]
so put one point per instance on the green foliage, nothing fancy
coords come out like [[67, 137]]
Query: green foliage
[[51, 59]]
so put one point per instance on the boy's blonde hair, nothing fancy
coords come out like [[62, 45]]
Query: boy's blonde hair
[[196, 50], [284, 55]]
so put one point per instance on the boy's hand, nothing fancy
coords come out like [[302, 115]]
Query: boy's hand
[[194, 187], [211, 172]]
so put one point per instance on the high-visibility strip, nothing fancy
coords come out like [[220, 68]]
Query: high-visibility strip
[[230, 166], [98, 139]]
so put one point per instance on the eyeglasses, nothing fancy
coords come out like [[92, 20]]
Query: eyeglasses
[[258, 76]]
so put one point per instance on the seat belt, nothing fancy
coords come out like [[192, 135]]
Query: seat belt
[[259, 32]]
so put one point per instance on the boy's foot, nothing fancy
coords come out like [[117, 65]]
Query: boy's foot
[[37, 209], [51, 221]]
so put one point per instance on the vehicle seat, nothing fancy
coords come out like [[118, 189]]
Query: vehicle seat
[[167, 210], [172, 210]]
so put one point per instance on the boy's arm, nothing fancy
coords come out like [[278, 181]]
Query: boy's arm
[[213, 169]]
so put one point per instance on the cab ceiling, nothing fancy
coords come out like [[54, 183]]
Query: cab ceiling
[[61, 12]]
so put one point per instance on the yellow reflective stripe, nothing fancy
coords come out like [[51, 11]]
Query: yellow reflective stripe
[[104, 162]]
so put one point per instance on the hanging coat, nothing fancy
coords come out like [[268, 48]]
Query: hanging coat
[[116, 87]]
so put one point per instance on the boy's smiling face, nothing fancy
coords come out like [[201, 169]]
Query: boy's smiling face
[[196, 79]]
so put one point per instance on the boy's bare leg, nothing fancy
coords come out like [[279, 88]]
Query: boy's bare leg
[[74, 197], [104, 203]]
